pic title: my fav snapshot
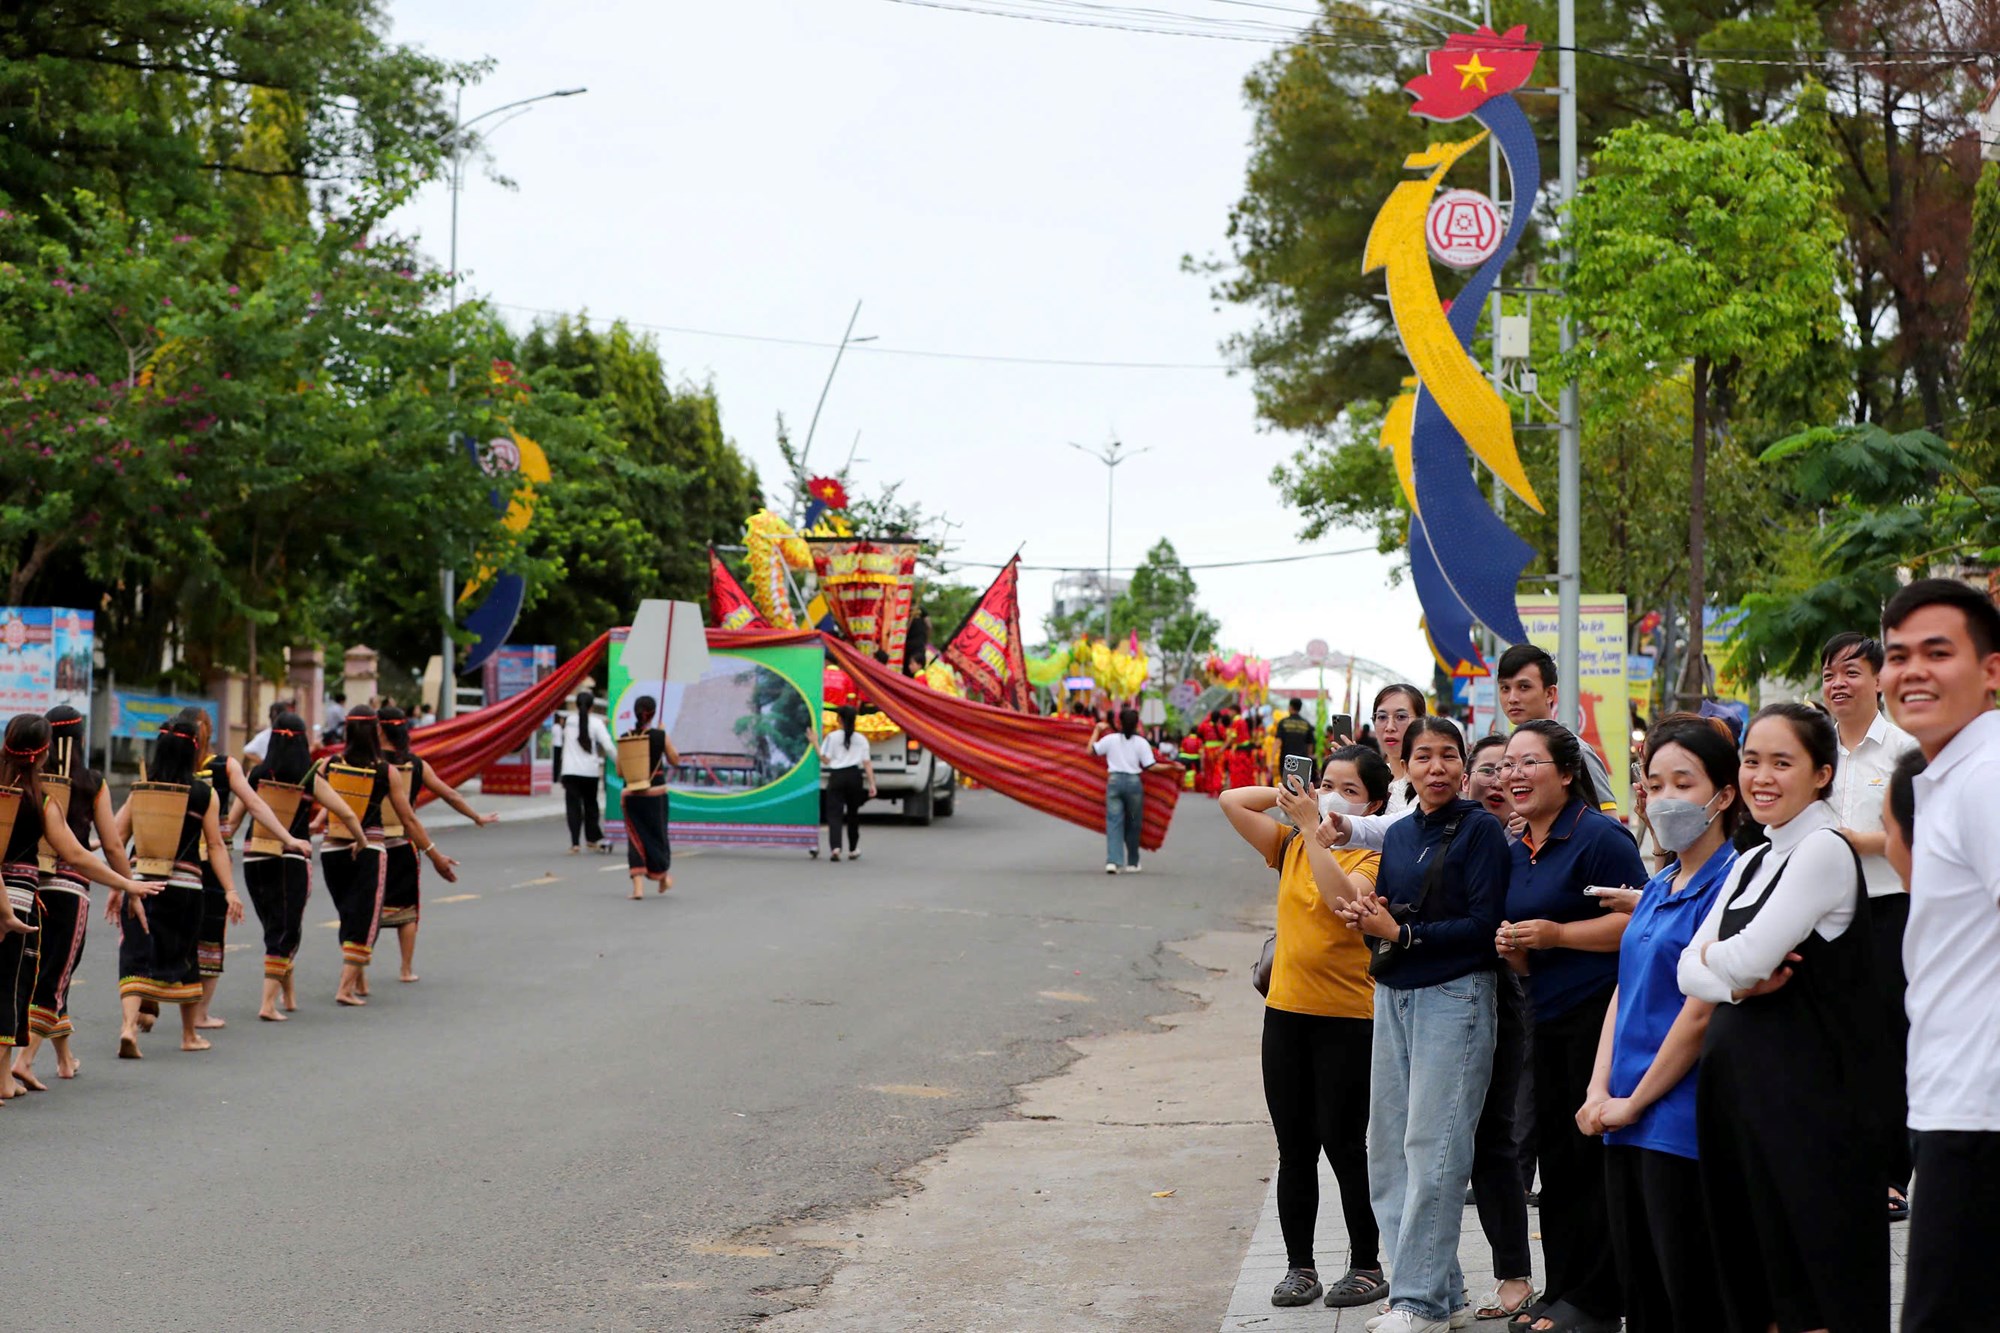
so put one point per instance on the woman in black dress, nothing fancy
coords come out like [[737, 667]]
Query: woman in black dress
[[402, 901], [279, 876], [648, 855], [1786, 1108], [159, 939], [65, 894]]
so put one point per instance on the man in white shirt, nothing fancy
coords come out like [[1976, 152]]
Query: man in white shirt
[[1870, 744], [260, 744], [1942, 666]]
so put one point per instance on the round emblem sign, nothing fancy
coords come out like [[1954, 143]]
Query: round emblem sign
[[1463, 229]]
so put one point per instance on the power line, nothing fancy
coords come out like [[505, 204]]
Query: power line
[[1098, 568], [874, 349]]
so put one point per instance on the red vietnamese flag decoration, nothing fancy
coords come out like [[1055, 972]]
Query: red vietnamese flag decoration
[[986, 649], [1472, 68], [729, 607]]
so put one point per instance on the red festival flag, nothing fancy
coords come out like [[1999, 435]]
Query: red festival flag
[[729, 607], [986, 649]]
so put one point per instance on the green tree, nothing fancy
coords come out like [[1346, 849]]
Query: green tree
[[1708, 251], [657, 488], [1159, 605]]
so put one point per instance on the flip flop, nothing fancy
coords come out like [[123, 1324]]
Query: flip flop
[[1525, 1318], [1899, 1208], [1566, 1318]]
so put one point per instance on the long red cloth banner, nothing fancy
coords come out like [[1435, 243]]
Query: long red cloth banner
[[1039, 761]]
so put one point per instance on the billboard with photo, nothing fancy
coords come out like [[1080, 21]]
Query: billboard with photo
[[749, 774], [45, 658]]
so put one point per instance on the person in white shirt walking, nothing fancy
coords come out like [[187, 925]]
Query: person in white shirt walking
[[582, 741], [1126, 754], [1870, 745], [849, 771], [1941, 640]]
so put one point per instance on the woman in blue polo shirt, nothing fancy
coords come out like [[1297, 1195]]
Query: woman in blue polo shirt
[[1642, 1096], [1567, 947], [1439, 892]]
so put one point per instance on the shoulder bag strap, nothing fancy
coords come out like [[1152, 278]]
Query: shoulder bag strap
[[1435, 874]]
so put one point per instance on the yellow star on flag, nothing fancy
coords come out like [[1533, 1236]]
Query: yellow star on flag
[[1472, 72]]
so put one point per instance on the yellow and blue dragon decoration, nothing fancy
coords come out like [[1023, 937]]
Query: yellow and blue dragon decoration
[[1464, 560]]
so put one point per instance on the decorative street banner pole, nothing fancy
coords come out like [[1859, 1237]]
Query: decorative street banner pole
[[1464, 559]]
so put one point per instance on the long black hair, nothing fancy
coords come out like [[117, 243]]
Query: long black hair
[[176, 754], [66, 757], [1369, 766], [395, 725], [289, 755], [364, 738], [643, 709], [1128, 721], [1567, 751], [22, 755], [848, 715], [586, 705]]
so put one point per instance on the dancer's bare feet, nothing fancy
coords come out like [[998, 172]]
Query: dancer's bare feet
[[666, 882], [29, 1081], [272, 1016], [67, 1066], [190, 1042], [208, 1021], [361, 986], [291, 997], [145, 1021], [353, 1001], [128, 1046]]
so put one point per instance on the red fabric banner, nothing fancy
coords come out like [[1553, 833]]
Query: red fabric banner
[[986, 649], [869, 587], [729, 607], [1039, 761]]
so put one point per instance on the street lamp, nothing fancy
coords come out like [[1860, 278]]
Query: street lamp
[[448, 650], [847, 339], [1111, 455]]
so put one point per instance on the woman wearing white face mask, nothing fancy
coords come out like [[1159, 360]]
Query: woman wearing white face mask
[[1642, 1094], [1319, 1020]]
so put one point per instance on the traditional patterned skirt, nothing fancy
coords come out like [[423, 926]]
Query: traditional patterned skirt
[[214, 922], [354, 880], [65, 917], [279, 887], [402, 883], [160, 960], [20, 955], [646, 845]]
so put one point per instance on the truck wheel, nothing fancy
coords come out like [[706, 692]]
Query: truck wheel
[[947, 804], [917, 805]]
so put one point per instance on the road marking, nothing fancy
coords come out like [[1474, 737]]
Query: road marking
[[330, 925], [531, 883], [911, 1090], [1067, 996], [234, 948], [456, 898]]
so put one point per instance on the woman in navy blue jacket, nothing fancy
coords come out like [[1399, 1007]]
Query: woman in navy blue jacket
[[1439, 894], [1566, 946]]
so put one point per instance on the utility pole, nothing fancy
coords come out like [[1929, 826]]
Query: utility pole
[[1569, 471], [1111, 455], [805, 449]]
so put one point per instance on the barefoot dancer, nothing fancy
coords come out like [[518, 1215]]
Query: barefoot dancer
[[65, 895], [159, 940], [355, 869], [219, 909], [648, 855], [279, 883], [401, 893]]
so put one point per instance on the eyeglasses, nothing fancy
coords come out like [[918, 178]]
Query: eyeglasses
[[1403, 718], [1527, 766], [1488, 770]]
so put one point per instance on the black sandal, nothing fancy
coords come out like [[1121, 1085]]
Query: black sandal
[[1566, 1318], [1357, 1286], [1899, 1208], [1300, 1286], [1525, 1318]]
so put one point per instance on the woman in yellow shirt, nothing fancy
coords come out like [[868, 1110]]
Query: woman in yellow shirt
[[1319, 1017]]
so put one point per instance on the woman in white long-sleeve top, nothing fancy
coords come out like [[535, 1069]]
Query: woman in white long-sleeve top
[[1787, 1105]]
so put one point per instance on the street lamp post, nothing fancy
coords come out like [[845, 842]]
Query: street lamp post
[[847, 339], [448, 578], [1111, 455]]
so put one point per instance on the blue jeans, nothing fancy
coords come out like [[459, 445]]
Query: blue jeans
[[1433, 1058], [1124, 811]]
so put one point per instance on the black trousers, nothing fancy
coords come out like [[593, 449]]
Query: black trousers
[[580, 804], [1499, 1185], [846, 790], [1575, 1240], [1666, 1261], [279, 887], [1316, 1085], [20, 961], [1954, 1232], [1889, 914]]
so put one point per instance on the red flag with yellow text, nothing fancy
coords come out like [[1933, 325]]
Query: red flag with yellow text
[[729, 607], [986, 649]]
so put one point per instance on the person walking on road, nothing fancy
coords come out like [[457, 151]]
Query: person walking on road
[[1319, 1011], [850, 773], [402, 888], [1126, 755], [648, 854], [581, 745]]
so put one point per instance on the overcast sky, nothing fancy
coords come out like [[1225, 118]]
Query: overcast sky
[[984, 186]]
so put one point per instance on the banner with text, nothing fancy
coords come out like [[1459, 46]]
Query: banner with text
[[1604, 691]]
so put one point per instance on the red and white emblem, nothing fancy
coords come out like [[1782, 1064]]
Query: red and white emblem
[[1463, 229]]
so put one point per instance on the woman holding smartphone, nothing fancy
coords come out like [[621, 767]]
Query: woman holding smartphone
[[1396, 707]]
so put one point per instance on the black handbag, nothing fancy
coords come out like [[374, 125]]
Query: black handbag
[[1260, 975], [1384, 956]]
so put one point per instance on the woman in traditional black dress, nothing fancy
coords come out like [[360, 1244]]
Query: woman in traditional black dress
[[648, 855], [220, 909], [279, 882], [355, 868], [402, 889], [159, 939], [65, 894]]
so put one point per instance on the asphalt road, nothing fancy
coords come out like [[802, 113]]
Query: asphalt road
[[588, 1108]]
